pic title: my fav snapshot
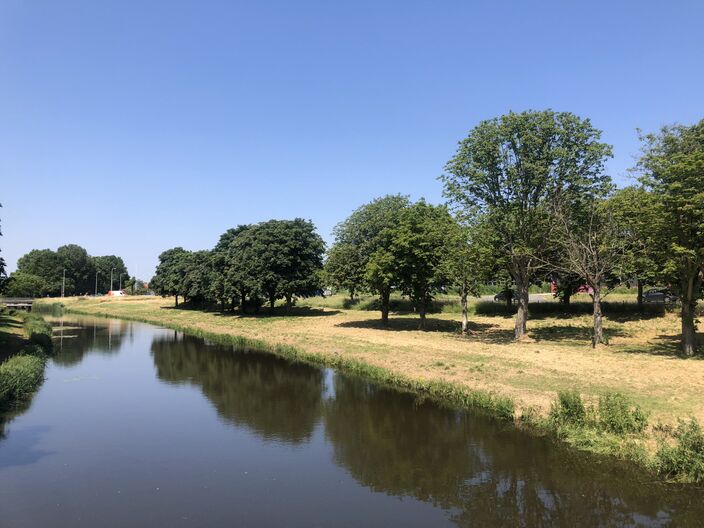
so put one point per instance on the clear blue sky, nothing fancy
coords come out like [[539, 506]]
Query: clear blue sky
[[129, 127]]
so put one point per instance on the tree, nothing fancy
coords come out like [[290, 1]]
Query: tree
[[79, 267], [198, 277], [468, 261], [418, 248], [369, 230], [226, 279], [21, 284], [640, 215], [107, 267], [594, 247], [511, 169], [46, 264], [342, 269], [171, 272], [279, 259], [672, 164]]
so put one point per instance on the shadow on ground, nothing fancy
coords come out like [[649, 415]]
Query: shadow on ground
[[279, 311], [404, 324], [666, 345]]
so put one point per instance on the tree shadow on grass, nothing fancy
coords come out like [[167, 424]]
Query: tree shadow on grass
[[618, 311], [10, 343], [667, 346], [406, 324], [580, 333]]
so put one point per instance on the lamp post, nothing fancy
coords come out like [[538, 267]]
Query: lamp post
[[113, 269], [96, 283], [63, 283], [121, 274]]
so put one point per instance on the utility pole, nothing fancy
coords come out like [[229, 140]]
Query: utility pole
[[96, 283], [121, 274], [113, 269], [63, 283]]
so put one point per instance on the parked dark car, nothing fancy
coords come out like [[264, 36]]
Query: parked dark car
[[659, 295], [501, 296]]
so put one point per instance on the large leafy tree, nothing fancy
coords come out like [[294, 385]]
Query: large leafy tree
[[107, 267], [418, 249], [79, 267], [279, 259], [366, 237], [46, 264], [343, 270], [511, 169], [198, 277], [673, 168], [227, 278], [170, 275], [640, 216], [22, 284]]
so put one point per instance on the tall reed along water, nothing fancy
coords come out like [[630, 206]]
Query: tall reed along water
[[142, 426]]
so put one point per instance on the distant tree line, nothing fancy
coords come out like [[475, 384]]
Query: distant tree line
[[250, 266], [41, 272]]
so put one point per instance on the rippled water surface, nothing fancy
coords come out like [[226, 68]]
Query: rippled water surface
[[142, 426]]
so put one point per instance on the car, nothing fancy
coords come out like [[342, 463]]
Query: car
[[659, 295], [501, 296]]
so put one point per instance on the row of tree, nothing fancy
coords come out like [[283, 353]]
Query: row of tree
[[531, 202], [69, 269], [250, 265]]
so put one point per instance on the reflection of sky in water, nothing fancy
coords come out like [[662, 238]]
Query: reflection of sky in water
[[247, 438]]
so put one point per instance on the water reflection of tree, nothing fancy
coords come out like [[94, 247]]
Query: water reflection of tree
[[484, 475], [73, 341], [273, 398]]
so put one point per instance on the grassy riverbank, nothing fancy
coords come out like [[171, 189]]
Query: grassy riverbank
[[25, 341], [487, 369]]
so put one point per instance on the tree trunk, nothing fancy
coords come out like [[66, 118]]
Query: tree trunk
[[509, 300], [222, 304], [385, 294], [567, 295], [463, 302], [421, 313], [522, 313], [351, 294], [640, 293], [598, 337], [689, 303], [272, 301], [176, 301]]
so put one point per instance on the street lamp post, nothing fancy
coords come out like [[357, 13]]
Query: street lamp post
[[121, 274], [63, 283], [113, 269], [96, 283]]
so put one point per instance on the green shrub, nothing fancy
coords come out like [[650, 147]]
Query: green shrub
[[619, 416], [683, 461], [568, 408], [19, 377]]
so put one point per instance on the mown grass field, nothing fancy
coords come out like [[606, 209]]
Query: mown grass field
[[640, 362]]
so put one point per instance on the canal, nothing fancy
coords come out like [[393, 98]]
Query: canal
[[141, 426]]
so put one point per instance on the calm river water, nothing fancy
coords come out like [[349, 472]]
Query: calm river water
[[141, 426]]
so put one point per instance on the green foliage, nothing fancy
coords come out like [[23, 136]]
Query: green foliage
[[568, 409], [511, 170], [19, 378], [41, 272], [619, 416], [171, 272], [683, 461], [22, 284], [673, 168], [342, 268], [107, 267]]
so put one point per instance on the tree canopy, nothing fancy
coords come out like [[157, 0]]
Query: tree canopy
[[511, 169]]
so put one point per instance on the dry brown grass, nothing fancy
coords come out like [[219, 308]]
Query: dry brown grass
[[641, 360]]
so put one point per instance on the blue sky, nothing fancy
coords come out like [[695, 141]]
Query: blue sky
[[130, 127]]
